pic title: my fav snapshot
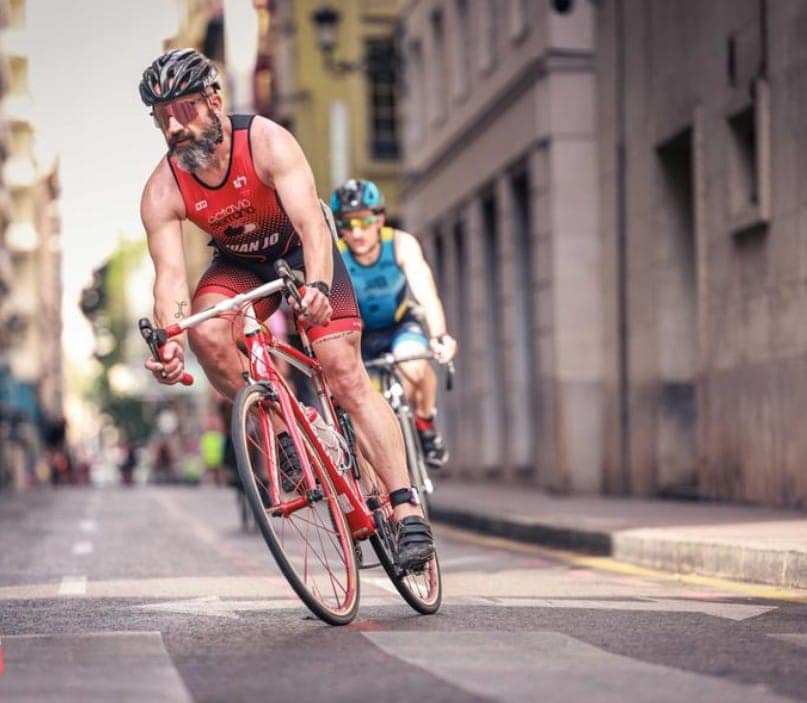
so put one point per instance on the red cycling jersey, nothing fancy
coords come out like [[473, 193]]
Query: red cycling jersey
[[243, 215], [251, 230]]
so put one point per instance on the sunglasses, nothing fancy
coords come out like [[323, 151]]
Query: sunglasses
[[361, 222], [184, 112]]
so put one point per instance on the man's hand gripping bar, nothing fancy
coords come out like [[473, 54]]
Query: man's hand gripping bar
[[155, 339], [293, 280]]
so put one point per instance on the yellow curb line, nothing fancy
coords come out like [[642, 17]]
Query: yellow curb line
[[753, 590]]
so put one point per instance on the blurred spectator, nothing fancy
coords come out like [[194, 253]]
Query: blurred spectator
[[211, 445], [164, 463], [56, 452], [128, 464]]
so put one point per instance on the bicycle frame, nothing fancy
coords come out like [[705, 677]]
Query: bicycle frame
[[260, 346]]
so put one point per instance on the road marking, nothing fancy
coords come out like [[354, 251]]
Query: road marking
[[728, 611], [608, 564], [82, 548], [88, 525], [90, 668], [798, 638], [215, 607], [379, 582], [522, 667], [73, 586]]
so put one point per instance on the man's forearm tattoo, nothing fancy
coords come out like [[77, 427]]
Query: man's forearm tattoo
[[180, 305]]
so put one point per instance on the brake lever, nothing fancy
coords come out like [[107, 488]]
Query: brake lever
[[291, 280], [155, 338]]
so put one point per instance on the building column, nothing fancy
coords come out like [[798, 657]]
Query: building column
[[577, 301], [543, 323], [481, 413], [516, 434]]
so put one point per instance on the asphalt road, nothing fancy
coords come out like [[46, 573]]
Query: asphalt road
[[155, 594]]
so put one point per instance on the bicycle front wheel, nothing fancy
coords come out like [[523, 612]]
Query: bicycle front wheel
[[312, 545]]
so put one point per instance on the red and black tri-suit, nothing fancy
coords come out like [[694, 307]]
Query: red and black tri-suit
[[250, 230]]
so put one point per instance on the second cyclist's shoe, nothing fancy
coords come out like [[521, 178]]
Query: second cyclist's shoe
[[291, 472], [434, 448], [415, 543]]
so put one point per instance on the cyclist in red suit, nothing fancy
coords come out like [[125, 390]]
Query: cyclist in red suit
[[245, 181]]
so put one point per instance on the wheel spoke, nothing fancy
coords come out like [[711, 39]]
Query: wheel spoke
[[309, 543]]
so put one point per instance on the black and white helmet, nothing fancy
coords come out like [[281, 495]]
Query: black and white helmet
[[176, 73]]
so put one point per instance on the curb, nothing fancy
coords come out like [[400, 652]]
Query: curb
[[781, 568], [576, 540]]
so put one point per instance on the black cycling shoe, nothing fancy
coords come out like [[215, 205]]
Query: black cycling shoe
[[291, 472], [434, 449], [415, 543]]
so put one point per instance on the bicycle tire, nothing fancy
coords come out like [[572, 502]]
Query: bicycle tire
[[313, 546], [421, 589], [415, 462]]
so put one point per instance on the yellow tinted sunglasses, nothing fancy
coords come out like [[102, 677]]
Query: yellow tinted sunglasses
[[360, 222]]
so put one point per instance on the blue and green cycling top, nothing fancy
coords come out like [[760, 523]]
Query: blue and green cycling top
[[380, 287]]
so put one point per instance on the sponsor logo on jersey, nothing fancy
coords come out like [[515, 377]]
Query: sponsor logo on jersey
[[232, 213], [201, 205], [240, 182]]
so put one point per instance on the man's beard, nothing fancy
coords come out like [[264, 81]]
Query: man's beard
[[198, 153]]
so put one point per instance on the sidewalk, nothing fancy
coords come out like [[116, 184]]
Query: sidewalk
[[712, 539]]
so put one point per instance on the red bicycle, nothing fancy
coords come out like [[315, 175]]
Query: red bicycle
[[313, 496]]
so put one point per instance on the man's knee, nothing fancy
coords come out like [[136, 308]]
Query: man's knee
[[415, 371], [207, 341], [348, 380]]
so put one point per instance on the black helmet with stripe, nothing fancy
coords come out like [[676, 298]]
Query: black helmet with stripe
[[176, 73]]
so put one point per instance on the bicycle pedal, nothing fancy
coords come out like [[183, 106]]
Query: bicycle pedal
[[370, 566]]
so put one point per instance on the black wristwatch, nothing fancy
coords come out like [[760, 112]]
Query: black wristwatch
[[321, 286]]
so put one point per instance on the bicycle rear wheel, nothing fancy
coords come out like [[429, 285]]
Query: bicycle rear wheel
[[312, 545], [421, 588]]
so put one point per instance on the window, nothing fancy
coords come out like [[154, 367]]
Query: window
[[462, 54], [518, 19], [383, 85], [748, 167], [439, 76], [415, 91], [488, 35]]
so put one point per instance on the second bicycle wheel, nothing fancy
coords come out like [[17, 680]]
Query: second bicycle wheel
[[312, 545], [420, 588]]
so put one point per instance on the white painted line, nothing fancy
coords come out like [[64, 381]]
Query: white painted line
[[797, 638], [73, 586], [88, 525], [728, 611], [90, 668], [213, 606], [383, 583], [524, 667], [82, 548]]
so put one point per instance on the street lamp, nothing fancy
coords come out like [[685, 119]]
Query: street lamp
[[326, 25]]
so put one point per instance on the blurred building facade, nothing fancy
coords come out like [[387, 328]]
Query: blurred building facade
[[623, 265], [703, 150], [31, 373], [347, 124], [500, 184]]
